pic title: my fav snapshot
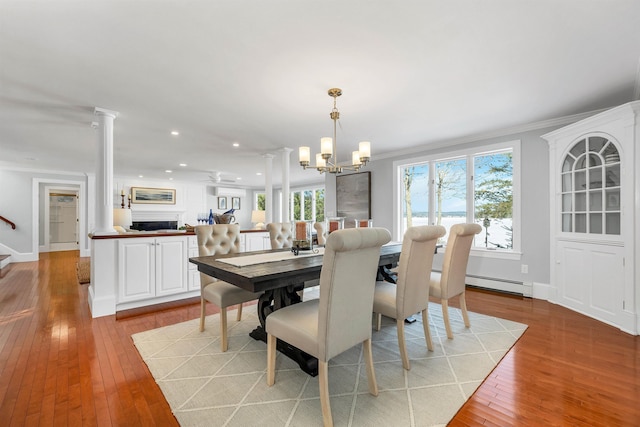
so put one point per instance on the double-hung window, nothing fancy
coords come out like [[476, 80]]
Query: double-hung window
[[479, 185]]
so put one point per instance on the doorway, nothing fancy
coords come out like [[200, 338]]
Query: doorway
[[61, 219]]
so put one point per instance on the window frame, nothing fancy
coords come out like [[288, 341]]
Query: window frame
[[469, 154]]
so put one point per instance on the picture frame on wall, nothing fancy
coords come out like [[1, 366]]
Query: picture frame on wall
[[162, 196], [235, 203], [222, 202], [353, 196]]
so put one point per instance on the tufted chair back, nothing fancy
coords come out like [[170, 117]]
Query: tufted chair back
[[217, 239], [321, 231], [281, 234]]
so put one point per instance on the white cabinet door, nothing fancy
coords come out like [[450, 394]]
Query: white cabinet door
[[257, 241], [192, 269], [171, 269], [137, 272], [591, 280]]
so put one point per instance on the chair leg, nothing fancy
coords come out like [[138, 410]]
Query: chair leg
[[223, 329], [427, 329], [239, 316], [323, 377], [371, 373], [445, 317], [463, 308], [271, 359], [378, 321], [203, 304], [402, 344]]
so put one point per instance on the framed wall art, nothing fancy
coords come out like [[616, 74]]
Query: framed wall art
[[163, 196], [235, 203], [222, 202], [353, 195]]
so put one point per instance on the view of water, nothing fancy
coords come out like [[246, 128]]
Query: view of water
[[499, 230]]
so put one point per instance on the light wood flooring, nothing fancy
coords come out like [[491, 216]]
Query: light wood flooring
[[58, 366]]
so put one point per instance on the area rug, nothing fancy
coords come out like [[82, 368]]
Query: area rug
[[83, 270], [205, 386]]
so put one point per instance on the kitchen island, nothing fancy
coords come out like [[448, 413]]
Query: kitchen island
[[138, 269]]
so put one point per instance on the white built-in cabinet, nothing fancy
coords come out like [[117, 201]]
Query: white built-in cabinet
[[151, 267], [594, 186], [254, 241], [193, 273]]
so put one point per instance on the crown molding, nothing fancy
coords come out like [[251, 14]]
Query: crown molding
[[560, 121]]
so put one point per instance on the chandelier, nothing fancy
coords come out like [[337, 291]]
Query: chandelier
[[327, 159]]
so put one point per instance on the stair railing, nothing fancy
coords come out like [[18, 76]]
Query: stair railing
[[13, 226]]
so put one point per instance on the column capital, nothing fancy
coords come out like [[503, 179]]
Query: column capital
[[268, 155], [104, 112], [286, 150]]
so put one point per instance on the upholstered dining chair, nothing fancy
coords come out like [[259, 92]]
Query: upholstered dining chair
[[341, 317], [410, 294], [281, 234], [321, 231], [220, 239], [451, 281]]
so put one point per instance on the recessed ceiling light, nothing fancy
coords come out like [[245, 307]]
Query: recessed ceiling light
[[170, 179], [140, 176], [239, 178], [258, 173], [235, 144], [183, 164], [168, 171], [175, 133]]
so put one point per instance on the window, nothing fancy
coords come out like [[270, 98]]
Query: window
[[307, 204], [479, 185]]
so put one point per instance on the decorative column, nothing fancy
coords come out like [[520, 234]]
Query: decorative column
[[286, 165], [268, 187], [104, 172]]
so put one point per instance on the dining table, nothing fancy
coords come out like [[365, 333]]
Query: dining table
[[279, 275]]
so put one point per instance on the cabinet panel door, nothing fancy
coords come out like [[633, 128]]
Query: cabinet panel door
[[136, 258], [257, 242], [171, 265], [590, 279]]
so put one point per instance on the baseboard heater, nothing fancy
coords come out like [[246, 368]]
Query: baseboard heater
[[512, 287]]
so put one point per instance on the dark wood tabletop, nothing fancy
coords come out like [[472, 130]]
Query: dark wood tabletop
[[278, 274]]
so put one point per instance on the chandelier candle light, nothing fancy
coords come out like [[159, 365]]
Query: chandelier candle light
[[327, 159]]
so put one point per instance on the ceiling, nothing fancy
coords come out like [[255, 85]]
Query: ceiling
[[256, 72]]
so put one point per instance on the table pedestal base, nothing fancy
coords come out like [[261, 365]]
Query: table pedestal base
[[276, 299]]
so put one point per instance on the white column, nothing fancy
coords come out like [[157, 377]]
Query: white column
[[104, 172], [286, 165], [268, 187]]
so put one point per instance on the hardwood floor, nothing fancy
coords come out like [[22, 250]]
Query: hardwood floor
[[58, 366]]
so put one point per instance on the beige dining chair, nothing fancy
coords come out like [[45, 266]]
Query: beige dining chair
[[220, 239], [321, 231], [451, 281], [410, 294], [341, 317], [280, 234]]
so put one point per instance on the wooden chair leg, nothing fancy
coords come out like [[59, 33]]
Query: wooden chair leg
[[445, 317], [427, 329], [271, 359], [378, 321], [371, 373], [463, 308], [402, 344], [223, 329], [203, 305], [239, 316], [323, 378]]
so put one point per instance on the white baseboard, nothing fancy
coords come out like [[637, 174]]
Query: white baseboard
[[18, 256]]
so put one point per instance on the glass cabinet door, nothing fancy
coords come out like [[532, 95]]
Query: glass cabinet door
[[590, 188]]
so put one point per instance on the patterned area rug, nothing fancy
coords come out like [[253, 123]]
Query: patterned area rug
[[207, 387]]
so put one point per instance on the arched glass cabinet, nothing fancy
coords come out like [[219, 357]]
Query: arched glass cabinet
[[591, 187]]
